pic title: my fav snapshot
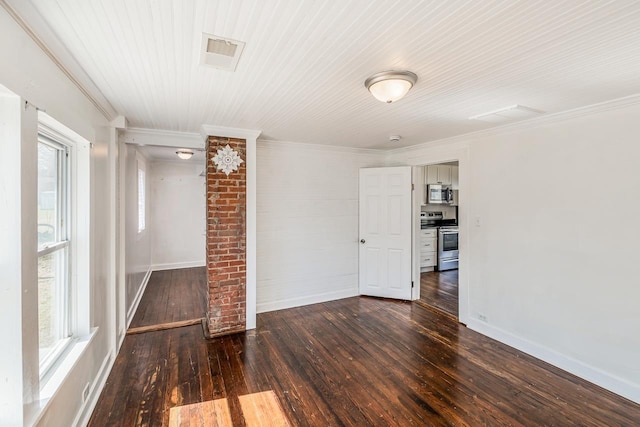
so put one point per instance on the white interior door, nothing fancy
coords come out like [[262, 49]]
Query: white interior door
[[385, 232]]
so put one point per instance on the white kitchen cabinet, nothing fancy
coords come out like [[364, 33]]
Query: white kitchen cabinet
[[454, 177], [432, 174], [428, 248], [439, 174]]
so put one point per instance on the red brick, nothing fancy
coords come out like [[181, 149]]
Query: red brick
[[226, 240]]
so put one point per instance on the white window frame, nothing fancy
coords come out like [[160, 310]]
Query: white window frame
[[62, 245], [77, 229]]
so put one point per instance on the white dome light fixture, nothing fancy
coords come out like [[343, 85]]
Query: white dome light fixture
[[390, 86], [184, 154]]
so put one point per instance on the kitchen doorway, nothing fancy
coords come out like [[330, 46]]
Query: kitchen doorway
[[437, 236]]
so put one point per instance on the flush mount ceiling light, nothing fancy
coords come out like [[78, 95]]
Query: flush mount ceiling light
[[184, 154], [390, 86]]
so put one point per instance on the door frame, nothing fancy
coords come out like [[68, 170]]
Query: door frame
[[436, 156]]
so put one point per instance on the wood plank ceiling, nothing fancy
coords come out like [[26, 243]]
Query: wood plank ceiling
[[301, 75]]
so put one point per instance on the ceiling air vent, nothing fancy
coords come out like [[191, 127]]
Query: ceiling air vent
[[507, 114], [221, 53]]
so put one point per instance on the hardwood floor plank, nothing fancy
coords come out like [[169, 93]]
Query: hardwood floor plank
[[163, 326], [352, 362], [263, 410], [172, 296], [213, 413], [439, 289]]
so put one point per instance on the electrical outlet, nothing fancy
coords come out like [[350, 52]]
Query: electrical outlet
[[482, 317], [85, 392]]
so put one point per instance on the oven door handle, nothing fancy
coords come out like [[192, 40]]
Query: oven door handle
[[448, 232]]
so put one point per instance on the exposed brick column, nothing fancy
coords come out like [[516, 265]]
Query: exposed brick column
[[226, 241]]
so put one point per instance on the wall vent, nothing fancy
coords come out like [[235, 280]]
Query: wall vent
[[219, 52], [507, 114]]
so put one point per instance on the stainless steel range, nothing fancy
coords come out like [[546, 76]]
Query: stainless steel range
[[447, 238], [447, 247]]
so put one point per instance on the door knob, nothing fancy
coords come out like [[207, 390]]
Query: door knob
[[361, 240]]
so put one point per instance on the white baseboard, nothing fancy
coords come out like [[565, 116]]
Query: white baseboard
[[305, 300], [134, 305], [86, 410], [597, 376], [176, 265]]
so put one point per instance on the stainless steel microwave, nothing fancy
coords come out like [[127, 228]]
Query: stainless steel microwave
[[440, 194]]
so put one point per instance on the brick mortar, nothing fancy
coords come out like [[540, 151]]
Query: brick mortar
[[226, 241]]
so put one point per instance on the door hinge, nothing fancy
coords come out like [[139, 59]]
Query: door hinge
[[412, 284], [412, 187]]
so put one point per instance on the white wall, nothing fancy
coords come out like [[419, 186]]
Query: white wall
[[552, 264], [28, 72], [178, 214], [307, 223], [137, 245]]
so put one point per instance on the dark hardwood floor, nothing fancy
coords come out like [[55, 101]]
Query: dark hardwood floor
[[172, 296], [440, 289], [357, 361]]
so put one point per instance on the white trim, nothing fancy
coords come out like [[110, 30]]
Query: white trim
[[165, 138], [136, 301], [119, 123], [603, 379], [53, 129], [77, 350], [113, 233], [86, 410], [526, 124], [307, 300], [120, 305], [39, 30], [227, 132], [177, 265], [251, 235], [269, 143], [443, 155]]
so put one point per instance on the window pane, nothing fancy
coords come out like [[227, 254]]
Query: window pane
[[52, 298], [48, 218]]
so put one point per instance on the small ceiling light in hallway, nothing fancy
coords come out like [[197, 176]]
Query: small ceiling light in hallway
[[390, 86], [184, 154]]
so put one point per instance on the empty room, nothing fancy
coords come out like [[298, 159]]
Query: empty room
[[319, 213]]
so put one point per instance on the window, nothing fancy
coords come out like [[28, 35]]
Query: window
[[141, 198], [54, 246], [63, 212]]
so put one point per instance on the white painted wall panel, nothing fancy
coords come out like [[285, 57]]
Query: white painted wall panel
[[178, 214], [137, 245], [307, 214], [553, 264], [30, 73]]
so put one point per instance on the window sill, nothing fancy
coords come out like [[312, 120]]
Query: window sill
[[60, 372]]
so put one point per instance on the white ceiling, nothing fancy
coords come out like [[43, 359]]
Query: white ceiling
[[301, 75]]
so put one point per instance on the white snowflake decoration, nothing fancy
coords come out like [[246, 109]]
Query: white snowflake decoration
[[227, 160]]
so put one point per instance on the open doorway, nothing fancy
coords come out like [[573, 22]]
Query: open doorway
[[437, 236]]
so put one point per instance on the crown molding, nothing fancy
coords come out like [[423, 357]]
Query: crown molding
[[120, 122], [532, 123], [163, 138], [270, 143], [30, 20], [211, 130]]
